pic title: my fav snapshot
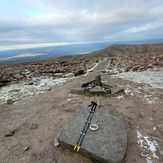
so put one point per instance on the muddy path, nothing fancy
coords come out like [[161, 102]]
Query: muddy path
[[28, 127]]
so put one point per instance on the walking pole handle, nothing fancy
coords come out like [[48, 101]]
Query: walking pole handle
[[92, 104]]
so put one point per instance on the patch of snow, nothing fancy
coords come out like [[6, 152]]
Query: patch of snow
[[91, 69], [128, 90], [40, 85], [148, 94], [68, 75], [95, 65], [113, 70], [154, 128], [149, 99], [73, 96], [69, 99], [121, 97], [149, 161], [104, 59], [150, 77], [148, 147]]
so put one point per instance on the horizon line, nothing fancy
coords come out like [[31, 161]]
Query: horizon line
[[40, 45]]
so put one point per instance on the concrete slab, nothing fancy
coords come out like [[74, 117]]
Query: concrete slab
[[107, 144]]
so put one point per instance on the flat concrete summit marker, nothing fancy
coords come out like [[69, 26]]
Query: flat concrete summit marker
[[107, 144], [97, 87]]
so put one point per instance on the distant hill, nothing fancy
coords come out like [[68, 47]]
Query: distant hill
[[120, 50]]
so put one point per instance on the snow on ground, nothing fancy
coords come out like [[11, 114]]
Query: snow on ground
[[115, 70], [148, 147], [94, 66], [25, 89], [149, 99], [120, 97], [152, 82], [147, 94], [150, 77], [91, 69]]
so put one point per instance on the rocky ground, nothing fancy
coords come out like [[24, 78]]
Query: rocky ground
[[29, 126], [137, 62], [54, 67], [26, 79]]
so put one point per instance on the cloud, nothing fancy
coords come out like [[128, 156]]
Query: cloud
[[71, 20], [144, 28]]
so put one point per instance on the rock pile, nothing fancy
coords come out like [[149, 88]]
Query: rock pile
[[97, 87], [4, 82]]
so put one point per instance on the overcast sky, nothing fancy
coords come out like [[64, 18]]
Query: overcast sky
[[44, 21]]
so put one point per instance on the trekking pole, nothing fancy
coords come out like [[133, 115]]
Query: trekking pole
[[93, 106]]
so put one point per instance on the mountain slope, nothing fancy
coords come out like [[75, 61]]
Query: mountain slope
[[120, 50]]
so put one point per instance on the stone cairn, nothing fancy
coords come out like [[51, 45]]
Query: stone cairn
[[97, 87]]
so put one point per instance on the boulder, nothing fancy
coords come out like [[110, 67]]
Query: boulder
[[97, 90], [9, 101], [10, 133], [117, 90], [107, 144], [4, 82], [79, 72]]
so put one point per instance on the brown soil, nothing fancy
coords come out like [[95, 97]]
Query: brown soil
[[28, 127]]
